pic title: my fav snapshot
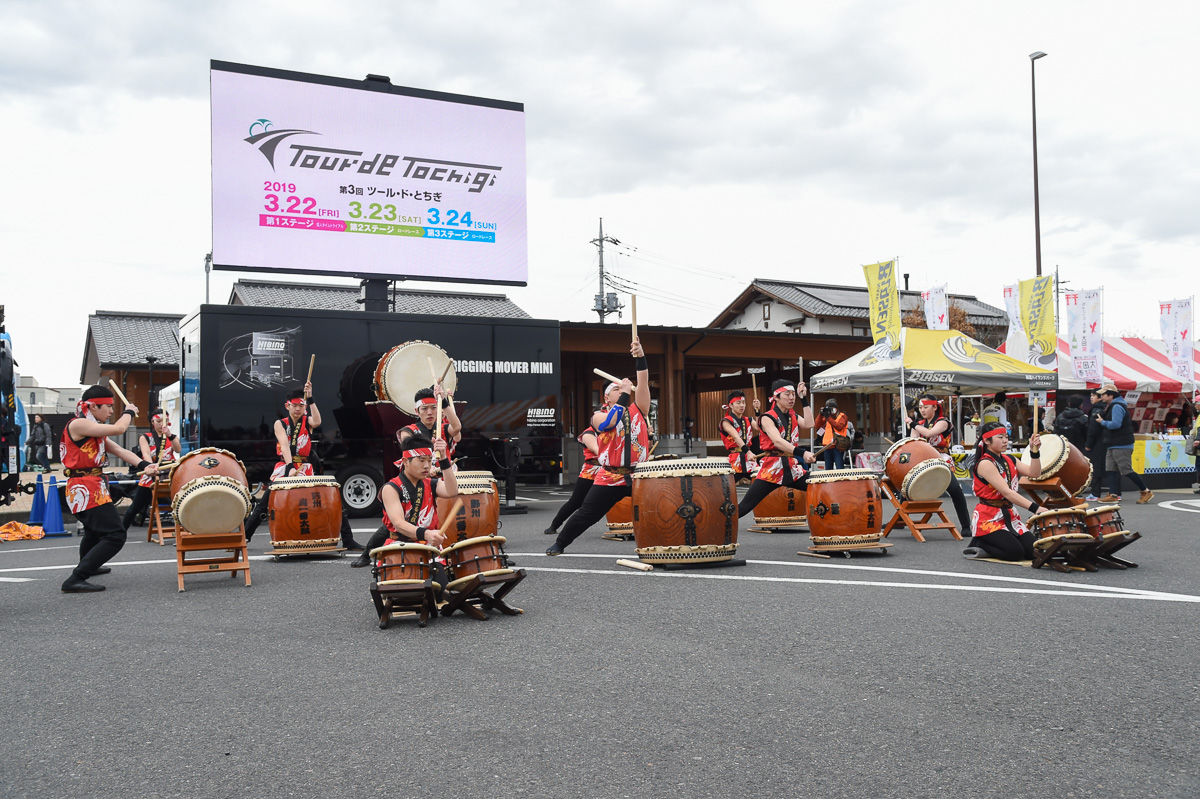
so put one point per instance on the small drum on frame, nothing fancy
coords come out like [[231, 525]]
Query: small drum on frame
[[403, 564], [917, 470], [209, 492], [786, 506], [685, 511], [482, 556], [620, 517], [403, 370], [305, 513], [480, 511], [845, 508], [1051, 523], [1103, 520], [1062, 459]]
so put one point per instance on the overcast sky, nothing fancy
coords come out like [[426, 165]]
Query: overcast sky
[[723, 140]]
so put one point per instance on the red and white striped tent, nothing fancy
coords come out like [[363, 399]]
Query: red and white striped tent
[[1132, 364]]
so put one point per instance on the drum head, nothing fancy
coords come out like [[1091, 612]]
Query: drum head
[[474, 542], [927, 481], [887, 456], [211, 506], [404, 370], [1054, 454]]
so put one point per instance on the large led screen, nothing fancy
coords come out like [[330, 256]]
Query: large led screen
[[320, 175]]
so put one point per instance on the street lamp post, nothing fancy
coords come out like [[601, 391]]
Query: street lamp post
[[1037, 220]]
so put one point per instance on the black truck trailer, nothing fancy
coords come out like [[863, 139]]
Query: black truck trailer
[[239, 362]]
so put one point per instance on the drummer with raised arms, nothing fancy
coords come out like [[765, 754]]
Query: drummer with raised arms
[[160, 439], [779, 464], [425, 404], [624, 442], [997, 530], [933, 426], [293, 445], [736, 431], [410, 498]]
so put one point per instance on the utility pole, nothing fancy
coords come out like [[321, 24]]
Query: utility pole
[[606, 302], [1057, 293]]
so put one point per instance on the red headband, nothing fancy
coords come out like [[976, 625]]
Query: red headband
[[999, 431], [934, 403], [296, 402], [100, 401], [426, 401], [419, 452], [156, 416], [781, 389]]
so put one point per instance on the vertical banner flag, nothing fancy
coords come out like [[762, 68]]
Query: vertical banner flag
[[1037, 317], [1175, 321], [1016, 345], [937, 311], [885, 308], [1085, 331]]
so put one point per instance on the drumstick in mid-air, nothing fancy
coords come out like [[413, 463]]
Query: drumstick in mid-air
[[118, 391], [607, 376], [633, 313], [311, 363], [753, 387], [446, 371], [1035, 419]]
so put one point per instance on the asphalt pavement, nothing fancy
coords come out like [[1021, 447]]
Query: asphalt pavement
[[915, 674]]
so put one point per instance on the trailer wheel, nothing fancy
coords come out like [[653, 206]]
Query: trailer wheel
[[360, 490]]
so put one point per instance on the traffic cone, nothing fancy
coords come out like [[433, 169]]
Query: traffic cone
[[53, 523], [38, 513]]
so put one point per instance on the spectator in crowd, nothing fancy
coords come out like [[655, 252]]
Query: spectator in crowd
[[1118, 437], [1072, 423], [40, 441], [1094, 446]]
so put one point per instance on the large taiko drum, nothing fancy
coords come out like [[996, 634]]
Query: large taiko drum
[[917, 470], [400, 564], [685, 511], [1062, 459], [404, 370], [209, 493], [620, 517], [786, 506], [1103, 520], [844, 507], [483, 556], [305, 512], [480, 511]]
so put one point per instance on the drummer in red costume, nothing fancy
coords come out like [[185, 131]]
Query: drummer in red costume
[[587, 473], [624, 442], [934, 427], [998, 531], [425, 406], [84, 452], [780, 440], [293, 445], [410, 498], [151, 444], [736, 431]]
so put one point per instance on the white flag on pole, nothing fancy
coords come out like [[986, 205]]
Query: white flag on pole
[[1085, 331], [937, 311], [1175, 321], [1017, 346]]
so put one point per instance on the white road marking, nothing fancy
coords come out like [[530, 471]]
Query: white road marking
[[923, 572], [36, 549], [17, 579], [878, 584], [1186, 505]]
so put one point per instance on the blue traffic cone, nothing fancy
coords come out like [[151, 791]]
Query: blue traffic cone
[[38, 513], [53, 523]]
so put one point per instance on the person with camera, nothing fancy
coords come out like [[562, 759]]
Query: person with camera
[[833, 427]]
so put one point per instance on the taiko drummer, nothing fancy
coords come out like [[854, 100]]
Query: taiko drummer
[[425, 404], [293, 445], [737, 429], [934, 427], [781, 463], [84, 448], [159, 446], [998, 531], [410, 498]]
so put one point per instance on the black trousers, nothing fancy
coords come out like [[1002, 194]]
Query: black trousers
[[1006, 545], [759, 490], [959, 500], [141, 501], [571, 505], [1097, 456], [599, 501], [260, 510], [103, 537]]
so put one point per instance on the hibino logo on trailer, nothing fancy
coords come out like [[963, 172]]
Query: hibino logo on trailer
[[328, 159]]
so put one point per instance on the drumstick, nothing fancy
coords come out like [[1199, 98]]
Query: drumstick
[[814, 554], [753, 387], [311, 363], [118, 392], [1035, 419], [446, 371], [635, 564], [437, 431], [633, 313], [653, 447], [607, 376], [450, 517]]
